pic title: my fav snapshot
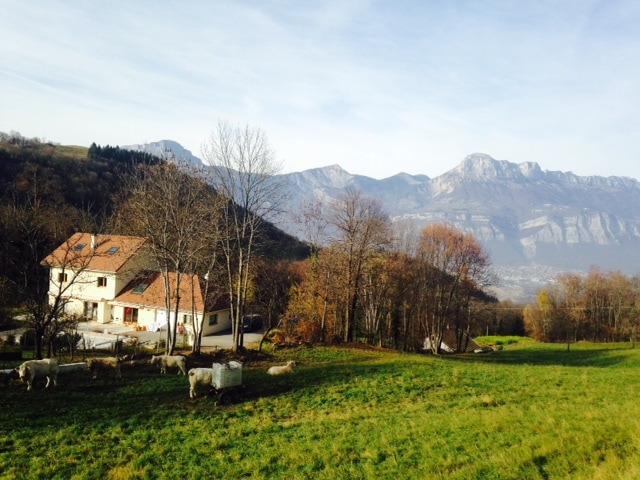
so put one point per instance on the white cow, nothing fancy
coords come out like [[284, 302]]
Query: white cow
[[199, 376], [32, 369], [170, 361], [104, 364], [282, 369]]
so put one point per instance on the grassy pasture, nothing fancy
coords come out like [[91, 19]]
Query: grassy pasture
[[71, 151], [528, 411]]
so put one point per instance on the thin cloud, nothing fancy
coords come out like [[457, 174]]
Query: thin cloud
[[376, 88]]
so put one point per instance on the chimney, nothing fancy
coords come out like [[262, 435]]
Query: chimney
[[94, 241]]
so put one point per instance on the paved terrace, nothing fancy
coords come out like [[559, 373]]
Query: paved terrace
[[98, 334]]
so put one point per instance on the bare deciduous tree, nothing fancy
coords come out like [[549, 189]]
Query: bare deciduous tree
[[36, 222], [596, 307], [207, 265], [362, 230], [244, 169], [454, 266], [48, 318], [171, 206]]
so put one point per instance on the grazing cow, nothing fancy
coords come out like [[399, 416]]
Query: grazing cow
[[104, 364], [199, 376], [282, 369], [32, 369], [170, 361]]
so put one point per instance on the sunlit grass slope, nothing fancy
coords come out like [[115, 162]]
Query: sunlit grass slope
[[527, 411]]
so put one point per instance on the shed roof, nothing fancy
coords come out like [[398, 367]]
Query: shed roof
[[449, 339]]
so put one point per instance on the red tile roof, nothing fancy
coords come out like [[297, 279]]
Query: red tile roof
[[110, 254], [147, 289]]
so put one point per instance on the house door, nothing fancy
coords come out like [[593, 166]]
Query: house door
[[91, 311], [130, 315], [161, 319]]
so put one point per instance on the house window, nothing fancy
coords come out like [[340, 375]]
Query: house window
[[102, 281], [79, 247], [186, 319], [113, 250], [140, 288], [131, 315], [62, 277], [213, 319]]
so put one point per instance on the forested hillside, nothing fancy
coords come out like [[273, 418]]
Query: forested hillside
[[49, 191], [76, 176]]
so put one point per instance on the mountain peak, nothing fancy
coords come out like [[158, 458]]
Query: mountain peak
[[167, 149], [333, 175], [480, 166], [530, 169]]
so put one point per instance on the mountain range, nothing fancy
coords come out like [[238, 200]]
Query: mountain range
[[533, 223]]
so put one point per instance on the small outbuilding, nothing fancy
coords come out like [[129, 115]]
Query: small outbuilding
[[449, 343]]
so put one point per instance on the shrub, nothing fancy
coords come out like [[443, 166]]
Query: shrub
[[28, 339], [308, 332], [66, 342]]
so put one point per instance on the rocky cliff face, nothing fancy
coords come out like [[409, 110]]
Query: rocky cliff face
[[522, 214]]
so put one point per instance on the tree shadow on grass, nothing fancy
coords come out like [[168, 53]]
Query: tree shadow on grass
[[260, 385], [141, 396], [360, 377], [308, 372]]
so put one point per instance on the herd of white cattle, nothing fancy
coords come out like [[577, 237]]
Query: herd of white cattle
[[49, 368]]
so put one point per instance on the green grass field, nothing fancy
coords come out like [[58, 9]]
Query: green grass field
[[71, 151], [529, 411]]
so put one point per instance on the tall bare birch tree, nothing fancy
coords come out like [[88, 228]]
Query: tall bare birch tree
[[207, 266], [244, 169]]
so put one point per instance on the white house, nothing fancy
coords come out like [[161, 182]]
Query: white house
[[111, 278], [142, 302]]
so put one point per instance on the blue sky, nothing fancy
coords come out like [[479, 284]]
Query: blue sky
[[378, 87]]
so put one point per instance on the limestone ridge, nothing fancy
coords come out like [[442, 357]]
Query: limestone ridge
[[522, 214]]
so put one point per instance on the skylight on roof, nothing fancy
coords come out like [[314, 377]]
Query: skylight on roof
[[113, 250], [140, 288], [79, 247]]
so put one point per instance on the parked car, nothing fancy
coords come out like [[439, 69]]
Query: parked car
[[251, 323]]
